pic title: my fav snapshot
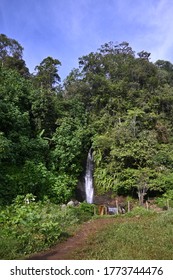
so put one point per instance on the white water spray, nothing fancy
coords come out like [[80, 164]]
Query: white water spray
[[89, 190]]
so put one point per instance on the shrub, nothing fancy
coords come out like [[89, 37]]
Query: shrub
[[140, 211], [84, 211], [28, 226], [165, 199]]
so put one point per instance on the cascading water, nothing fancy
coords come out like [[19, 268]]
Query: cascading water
[[89, 189]]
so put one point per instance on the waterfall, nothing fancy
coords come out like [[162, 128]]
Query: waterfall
[[89, 190]]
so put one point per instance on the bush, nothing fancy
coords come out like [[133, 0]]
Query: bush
[[165, 199], [140, 211], [83, 212], [28, 226], [33, 225]]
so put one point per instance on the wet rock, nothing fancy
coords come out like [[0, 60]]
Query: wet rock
[[63, 206], [71, 203]]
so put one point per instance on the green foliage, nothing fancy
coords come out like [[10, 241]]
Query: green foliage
[[28, 226], [70, 139], [5, 146], [116, 102], [47, 73], [140, 211], [62, 187], [83, 212], [119, 104], [166, 200], [11, 55]]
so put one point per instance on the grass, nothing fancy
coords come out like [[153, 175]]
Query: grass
[[140, 234], [135, 237]]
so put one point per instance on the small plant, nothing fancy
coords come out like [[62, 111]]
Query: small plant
[[166, 200], [140, 211], [83, 212]]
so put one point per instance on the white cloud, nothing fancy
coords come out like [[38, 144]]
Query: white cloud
[[67, 29], [154, 24]]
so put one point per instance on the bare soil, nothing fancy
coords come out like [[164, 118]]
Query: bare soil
[[65, 249]]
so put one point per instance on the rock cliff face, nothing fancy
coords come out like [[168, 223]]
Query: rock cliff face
[[80, 190]]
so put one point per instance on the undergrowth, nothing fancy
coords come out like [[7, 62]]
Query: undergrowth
[[26, 228]]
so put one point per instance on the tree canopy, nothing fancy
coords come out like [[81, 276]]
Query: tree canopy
[[116, 102]]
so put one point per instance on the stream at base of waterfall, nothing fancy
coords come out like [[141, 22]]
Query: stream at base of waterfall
[[89, 188]]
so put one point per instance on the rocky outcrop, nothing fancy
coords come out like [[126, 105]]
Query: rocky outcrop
[[80, 190]]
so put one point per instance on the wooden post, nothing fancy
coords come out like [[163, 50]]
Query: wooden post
[[117, 206], [128, 206], [101, 210], [147, 205]]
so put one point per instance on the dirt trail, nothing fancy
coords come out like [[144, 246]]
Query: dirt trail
[[64, 250]]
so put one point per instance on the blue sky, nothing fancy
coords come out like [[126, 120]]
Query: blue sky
[[68, 29]]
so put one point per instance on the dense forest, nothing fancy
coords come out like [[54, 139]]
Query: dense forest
[[117, 102]]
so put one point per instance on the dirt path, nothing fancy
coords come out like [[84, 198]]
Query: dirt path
[[64, 250]]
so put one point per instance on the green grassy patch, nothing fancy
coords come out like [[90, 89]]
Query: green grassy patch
[[133, 237]]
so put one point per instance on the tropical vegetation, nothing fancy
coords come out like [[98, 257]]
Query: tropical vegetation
[[116, 101]]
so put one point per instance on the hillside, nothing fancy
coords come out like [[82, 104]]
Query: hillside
[[116, 104]]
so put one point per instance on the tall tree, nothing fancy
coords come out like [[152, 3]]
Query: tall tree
[[11, 53], [47, 73]]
